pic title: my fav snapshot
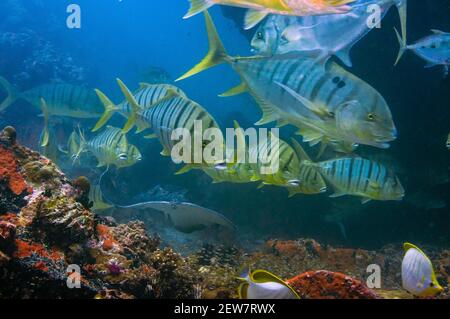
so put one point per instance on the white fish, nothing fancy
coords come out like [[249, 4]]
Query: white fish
[[186, 217], [418, 276], [261, 284], [328, 35]]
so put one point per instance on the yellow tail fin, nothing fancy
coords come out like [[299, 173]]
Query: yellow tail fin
[[110, 109], [12, 94], [216, 54], [45, 138], [135, 108], [198, 6]]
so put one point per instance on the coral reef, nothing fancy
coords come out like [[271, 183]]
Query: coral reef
[[47, 229], [46, 226], [324, 284]]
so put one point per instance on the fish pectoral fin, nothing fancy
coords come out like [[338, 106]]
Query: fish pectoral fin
[[316, 109], [165, 152], [436, 31], [185, 169], [337, 194], [310, 136], [344, 56], [253, 17], [241, 88], [282, 122]]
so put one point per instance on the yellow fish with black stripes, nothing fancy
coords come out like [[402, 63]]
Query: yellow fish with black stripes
[[290, 173], [170, 114], [358, 177], [259, 9], [327, 103], [146, 96], [110, 147], [62, 99]]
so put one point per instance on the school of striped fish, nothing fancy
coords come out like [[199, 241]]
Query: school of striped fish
[[295, 82]]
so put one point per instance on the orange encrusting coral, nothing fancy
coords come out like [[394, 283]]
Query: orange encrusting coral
[[10, 172], [26, 249], [324, 284], [106, 237]]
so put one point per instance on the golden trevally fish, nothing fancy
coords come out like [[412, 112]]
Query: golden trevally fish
[[418, 276], [358, 177], [326, 102], [146, 96], [259, 9], [261, 284], [65, 100], [110, 147], [170, 114], [291, 174], [328, 35]]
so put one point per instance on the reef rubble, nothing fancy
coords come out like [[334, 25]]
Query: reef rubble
[[53, 246]]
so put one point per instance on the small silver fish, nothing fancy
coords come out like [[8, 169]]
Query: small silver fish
[[435, 49]]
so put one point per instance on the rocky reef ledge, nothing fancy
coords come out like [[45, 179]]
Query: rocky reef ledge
[[47, 231]]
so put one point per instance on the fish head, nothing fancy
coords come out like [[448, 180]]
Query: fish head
[[368, 124], [265, 38], [393, 189], [128, 157]]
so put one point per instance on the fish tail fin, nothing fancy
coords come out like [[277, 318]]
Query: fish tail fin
[[110, 109], [135, 108], [403, 46], [45, 137], [11, 94], [198, 6], [216, 54], [402, 8]]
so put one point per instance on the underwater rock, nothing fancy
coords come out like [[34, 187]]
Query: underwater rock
[[45, 226], [324, 284]]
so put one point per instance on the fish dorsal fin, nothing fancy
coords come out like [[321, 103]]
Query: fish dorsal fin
[[135, 107], [239, 134], [253, 17], [408, 246], [263, 276], [187, 168], [144, 85], [241, 88]]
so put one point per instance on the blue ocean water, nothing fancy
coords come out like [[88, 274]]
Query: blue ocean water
[[124, 39]]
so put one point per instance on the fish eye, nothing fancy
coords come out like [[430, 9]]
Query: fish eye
[[294, 182], [371, 117], [259, 35]]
